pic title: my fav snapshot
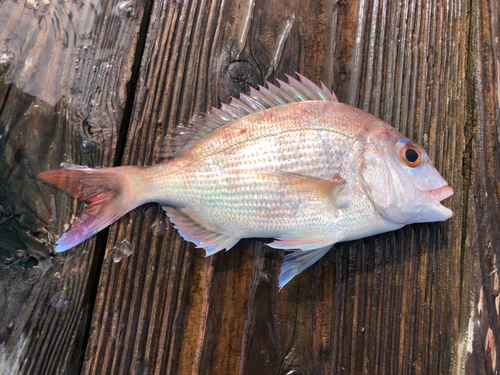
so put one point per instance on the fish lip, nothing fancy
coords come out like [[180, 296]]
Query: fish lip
[[439, 212], [441, 193]]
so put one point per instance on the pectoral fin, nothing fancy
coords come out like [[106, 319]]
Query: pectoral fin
[[306, 250], [292, 241], [191, 231], [298, 261], [303, 187]]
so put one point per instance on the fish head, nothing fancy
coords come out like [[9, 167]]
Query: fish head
[[400, 179]]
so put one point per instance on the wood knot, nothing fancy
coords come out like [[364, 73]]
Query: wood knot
[[241, 75]]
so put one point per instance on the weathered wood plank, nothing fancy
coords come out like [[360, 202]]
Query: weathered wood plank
[[387, 304], [64, 67], [480, 315]]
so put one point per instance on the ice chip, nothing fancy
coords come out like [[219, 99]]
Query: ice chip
[[124, 249], [60, 302]]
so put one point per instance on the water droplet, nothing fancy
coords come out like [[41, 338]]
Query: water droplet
[[71, 165], [126, 8], [32, 275], [159, 229], [60, 302], [13, 259], [6, 213], [141, 368], [5, 60], [22, 255], [17, 270], [86, 147]]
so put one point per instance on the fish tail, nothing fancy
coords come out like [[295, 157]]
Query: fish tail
[[109, 194]]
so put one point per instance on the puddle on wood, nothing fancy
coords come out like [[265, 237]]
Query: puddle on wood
[[30, 40], [64, 66], [53, 68], [39, 37]]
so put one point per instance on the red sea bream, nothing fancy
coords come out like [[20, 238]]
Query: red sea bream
[[289, 163]]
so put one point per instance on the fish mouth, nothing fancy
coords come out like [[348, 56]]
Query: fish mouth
[[440, 212], [440, 194]]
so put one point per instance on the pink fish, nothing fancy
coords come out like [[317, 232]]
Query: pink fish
[[290, 163]]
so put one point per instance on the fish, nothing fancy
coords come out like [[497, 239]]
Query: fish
[[289, 163]]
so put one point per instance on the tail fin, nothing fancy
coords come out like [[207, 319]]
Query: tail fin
[[105, 191]]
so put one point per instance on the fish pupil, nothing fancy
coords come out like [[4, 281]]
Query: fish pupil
[[411, 155]]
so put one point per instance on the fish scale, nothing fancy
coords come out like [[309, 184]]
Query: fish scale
[[290, 163]]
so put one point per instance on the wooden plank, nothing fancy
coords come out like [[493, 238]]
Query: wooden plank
[[387, 304], [64, 67], [480, 315]]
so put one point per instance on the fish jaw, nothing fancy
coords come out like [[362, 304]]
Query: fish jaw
[[438, 212], [424, 206], [433, 188], [421, 206]]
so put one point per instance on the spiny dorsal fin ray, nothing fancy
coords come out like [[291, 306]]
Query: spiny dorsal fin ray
[[294, 91]]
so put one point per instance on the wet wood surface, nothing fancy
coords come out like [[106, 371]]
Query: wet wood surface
[[102, 83], [64, 68]]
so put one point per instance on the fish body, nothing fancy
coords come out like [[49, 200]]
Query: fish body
[[289, 163]]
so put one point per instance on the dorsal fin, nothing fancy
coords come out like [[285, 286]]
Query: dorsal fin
[[185, 136]]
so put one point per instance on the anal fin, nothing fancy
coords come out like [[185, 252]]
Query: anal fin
[[191, 231], [298, 261]]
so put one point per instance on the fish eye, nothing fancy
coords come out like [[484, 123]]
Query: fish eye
[[409, 153]]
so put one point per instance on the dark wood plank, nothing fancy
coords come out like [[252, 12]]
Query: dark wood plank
[[64, 68], [393, 303], [480, 318]]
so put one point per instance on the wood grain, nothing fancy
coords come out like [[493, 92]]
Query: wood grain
[[64, 67], [480, 320], [387, 304]]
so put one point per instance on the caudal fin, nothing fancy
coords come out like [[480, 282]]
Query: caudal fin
[[105, 191]]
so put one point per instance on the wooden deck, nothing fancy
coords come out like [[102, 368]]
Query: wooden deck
[[102, 82]]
